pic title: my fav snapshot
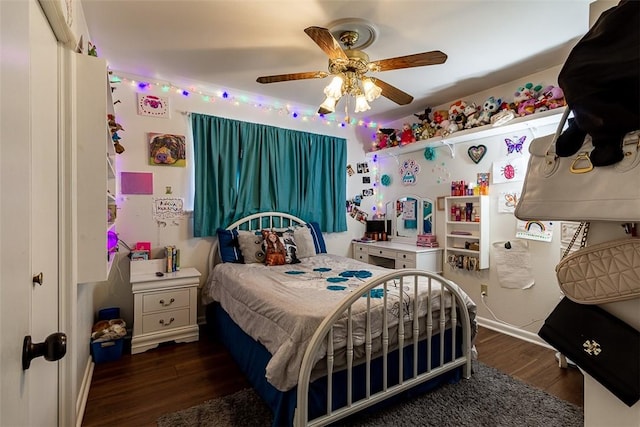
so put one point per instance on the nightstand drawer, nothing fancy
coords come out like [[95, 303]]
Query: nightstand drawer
[[406, 256], [169, 300], [165, 320]]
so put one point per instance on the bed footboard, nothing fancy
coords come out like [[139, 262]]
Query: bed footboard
[[455, 317]]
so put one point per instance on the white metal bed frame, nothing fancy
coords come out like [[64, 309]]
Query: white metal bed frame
[[324, 333]]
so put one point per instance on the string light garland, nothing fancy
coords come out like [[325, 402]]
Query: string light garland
[[308, 115]]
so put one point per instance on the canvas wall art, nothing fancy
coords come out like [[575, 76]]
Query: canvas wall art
[[167, 150]]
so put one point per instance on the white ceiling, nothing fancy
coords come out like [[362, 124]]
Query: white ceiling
[[229, 43]]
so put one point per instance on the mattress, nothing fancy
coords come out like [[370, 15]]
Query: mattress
[[282, 306]]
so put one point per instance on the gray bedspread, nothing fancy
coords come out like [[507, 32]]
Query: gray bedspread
[[282, 306]]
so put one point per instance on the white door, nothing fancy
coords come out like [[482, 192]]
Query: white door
[[28, 213], [43, 375]]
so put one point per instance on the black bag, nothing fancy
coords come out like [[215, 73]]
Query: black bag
[[602, 345], [601, 84]]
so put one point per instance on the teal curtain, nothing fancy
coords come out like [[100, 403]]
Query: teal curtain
[[243, 168]]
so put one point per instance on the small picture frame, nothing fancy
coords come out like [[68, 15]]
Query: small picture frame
[[440, 203]]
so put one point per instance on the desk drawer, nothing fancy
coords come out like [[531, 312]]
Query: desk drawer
[[406, 256], [165, 320], [364, 257], [405, 263], [384, 253], [169, 300]]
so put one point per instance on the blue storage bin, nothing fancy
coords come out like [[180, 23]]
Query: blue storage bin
[[107, 351], [109, 313]]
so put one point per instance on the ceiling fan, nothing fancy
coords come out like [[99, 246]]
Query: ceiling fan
[[350, 67]]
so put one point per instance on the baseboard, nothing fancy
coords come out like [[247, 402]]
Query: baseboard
[[83, 393], [512, 331]]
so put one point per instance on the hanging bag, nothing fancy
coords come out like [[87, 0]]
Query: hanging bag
[[599, 343], [571, 189]]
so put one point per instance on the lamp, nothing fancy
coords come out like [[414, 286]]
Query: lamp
[[350, 83]]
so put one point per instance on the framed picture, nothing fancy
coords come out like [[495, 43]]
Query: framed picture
[[167, 150], [154, 106], [440, 203]]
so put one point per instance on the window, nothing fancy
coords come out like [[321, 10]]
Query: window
[[243, 168]]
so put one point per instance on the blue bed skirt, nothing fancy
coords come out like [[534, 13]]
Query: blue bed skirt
[[252, 358]]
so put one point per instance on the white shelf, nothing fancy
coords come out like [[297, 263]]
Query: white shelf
[[454, 245], [96, 177], [533, 121]]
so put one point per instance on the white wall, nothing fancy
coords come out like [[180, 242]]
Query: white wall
[[135, 221], [516, 306]]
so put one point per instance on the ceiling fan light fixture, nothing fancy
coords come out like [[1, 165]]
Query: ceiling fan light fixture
[[361, 104], [371, 91], [328, 105], [334, 89]]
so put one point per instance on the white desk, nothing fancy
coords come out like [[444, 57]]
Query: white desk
[[165, 308], [398, 255]]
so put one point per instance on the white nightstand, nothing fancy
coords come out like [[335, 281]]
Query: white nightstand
[[165, 307]]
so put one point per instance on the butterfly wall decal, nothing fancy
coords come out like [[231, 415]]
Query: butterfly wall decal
[[517, 146]]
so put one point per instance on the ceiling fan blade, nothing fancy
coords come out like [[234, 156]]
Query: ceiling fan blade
[[292, 76], [327, 42], [417, 60], [393, 93]]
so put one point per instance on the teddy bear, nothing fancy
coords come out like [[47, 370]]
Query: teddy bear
[[489, 108], [406, 136]]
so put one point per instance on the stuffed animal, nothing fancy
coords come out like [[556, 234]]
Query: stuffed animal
[[527, 107], [436, 120], [489, 108], [456, 114], [424, 117], [389, 137], [471, 113], [406, 137], [552, 97], [526, 92]]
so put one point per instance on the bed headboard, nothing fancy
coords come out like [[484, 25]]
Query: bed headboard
[[257, 221]]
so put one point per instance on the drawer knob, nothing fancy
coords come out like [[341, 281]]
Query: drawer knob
[[380, 251], [171, 301], [404, 255], [163, 323]]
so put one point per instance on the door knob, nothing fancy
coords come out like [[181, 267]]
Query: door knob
[[53, 348]]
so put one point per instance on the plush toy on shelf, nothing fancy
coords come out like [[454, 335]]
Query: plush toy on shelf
[[489, 108], [406, 137], [525, 98], [385, 138], [436, 121], [456, 114], [551, 97], [471, 112]]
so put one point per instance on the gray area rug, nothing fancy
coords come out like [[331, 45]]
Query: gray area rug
[[490, 398]]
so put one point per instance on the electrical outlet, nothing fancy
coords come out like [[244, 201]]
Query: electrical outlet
[[484, 289]]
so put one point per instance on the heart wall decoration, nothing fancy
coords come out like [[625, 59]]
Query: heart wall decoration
[[477, 152]]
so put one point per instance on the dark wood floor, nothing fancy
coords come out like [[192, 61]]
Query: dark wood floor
[[136, 390]]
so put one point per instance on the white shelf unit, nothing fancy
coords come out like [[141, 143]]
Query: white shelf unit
[[459, 234], [95, 167], [533, 121]]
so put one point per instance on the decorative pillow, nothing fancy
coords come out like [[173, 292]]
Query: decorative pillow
[[304, 242], [228, 246], [275, 252], [250, 244], [318, 240], [290, 246]]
